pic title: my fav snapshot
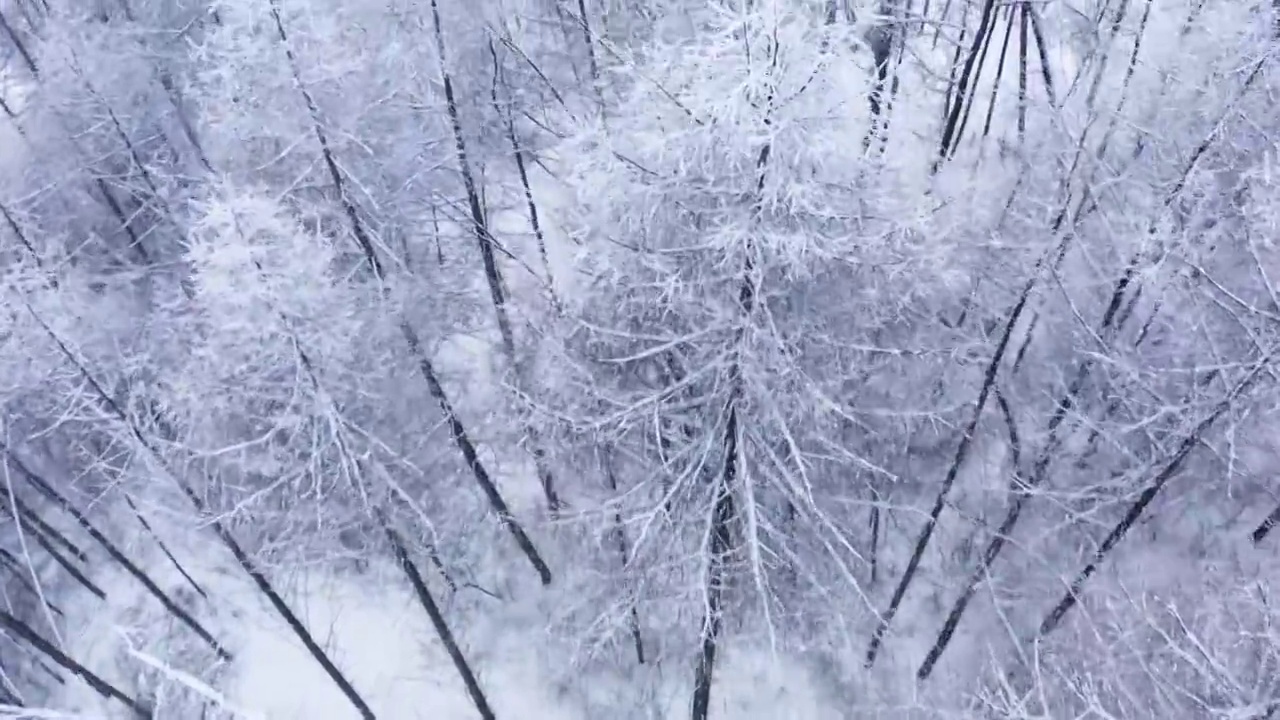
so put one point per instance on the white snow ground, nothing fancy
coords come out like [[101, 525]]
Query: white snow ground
[[378, 635]]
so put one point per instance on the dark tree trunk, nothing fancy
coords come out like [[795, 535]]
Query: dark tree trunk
[[438, 622], [457, 430], [16, 229], [721, 546], [126, 224], [13, 504], [517, 153], [1020, 489], [1260, 533], [102, 687], [242, 558], [62, 560], [19, 45], [116, 554], [479, 225], [468, 450], [962, 452], [620, 536], [19, 572], [485, 242], [1049, 260], [995, 89], [953, 127], [1139, 506], [163, 548]]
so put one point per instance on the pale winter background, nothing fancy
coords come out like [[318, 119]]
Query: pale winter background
[[640, 359]]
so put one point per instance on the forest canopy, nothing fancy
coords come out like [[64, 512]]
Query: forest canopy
[[645, 359]]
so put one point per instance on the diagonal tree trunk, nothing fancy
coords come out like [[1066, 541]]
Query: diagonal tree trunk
[[965, 84], [1020, 489], [438, 622], [66, 564], [1264, 528], [30, 519], [16, 569], [163, 548], [1139, 506], [102, 687], [458, 431], [484, 240], [517, 154], [116, 413], [20, 46], [1122, 287], [115, 553]]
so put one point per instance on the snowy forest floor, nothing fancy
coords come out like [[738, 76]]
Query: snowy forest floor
[[374, 630]]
